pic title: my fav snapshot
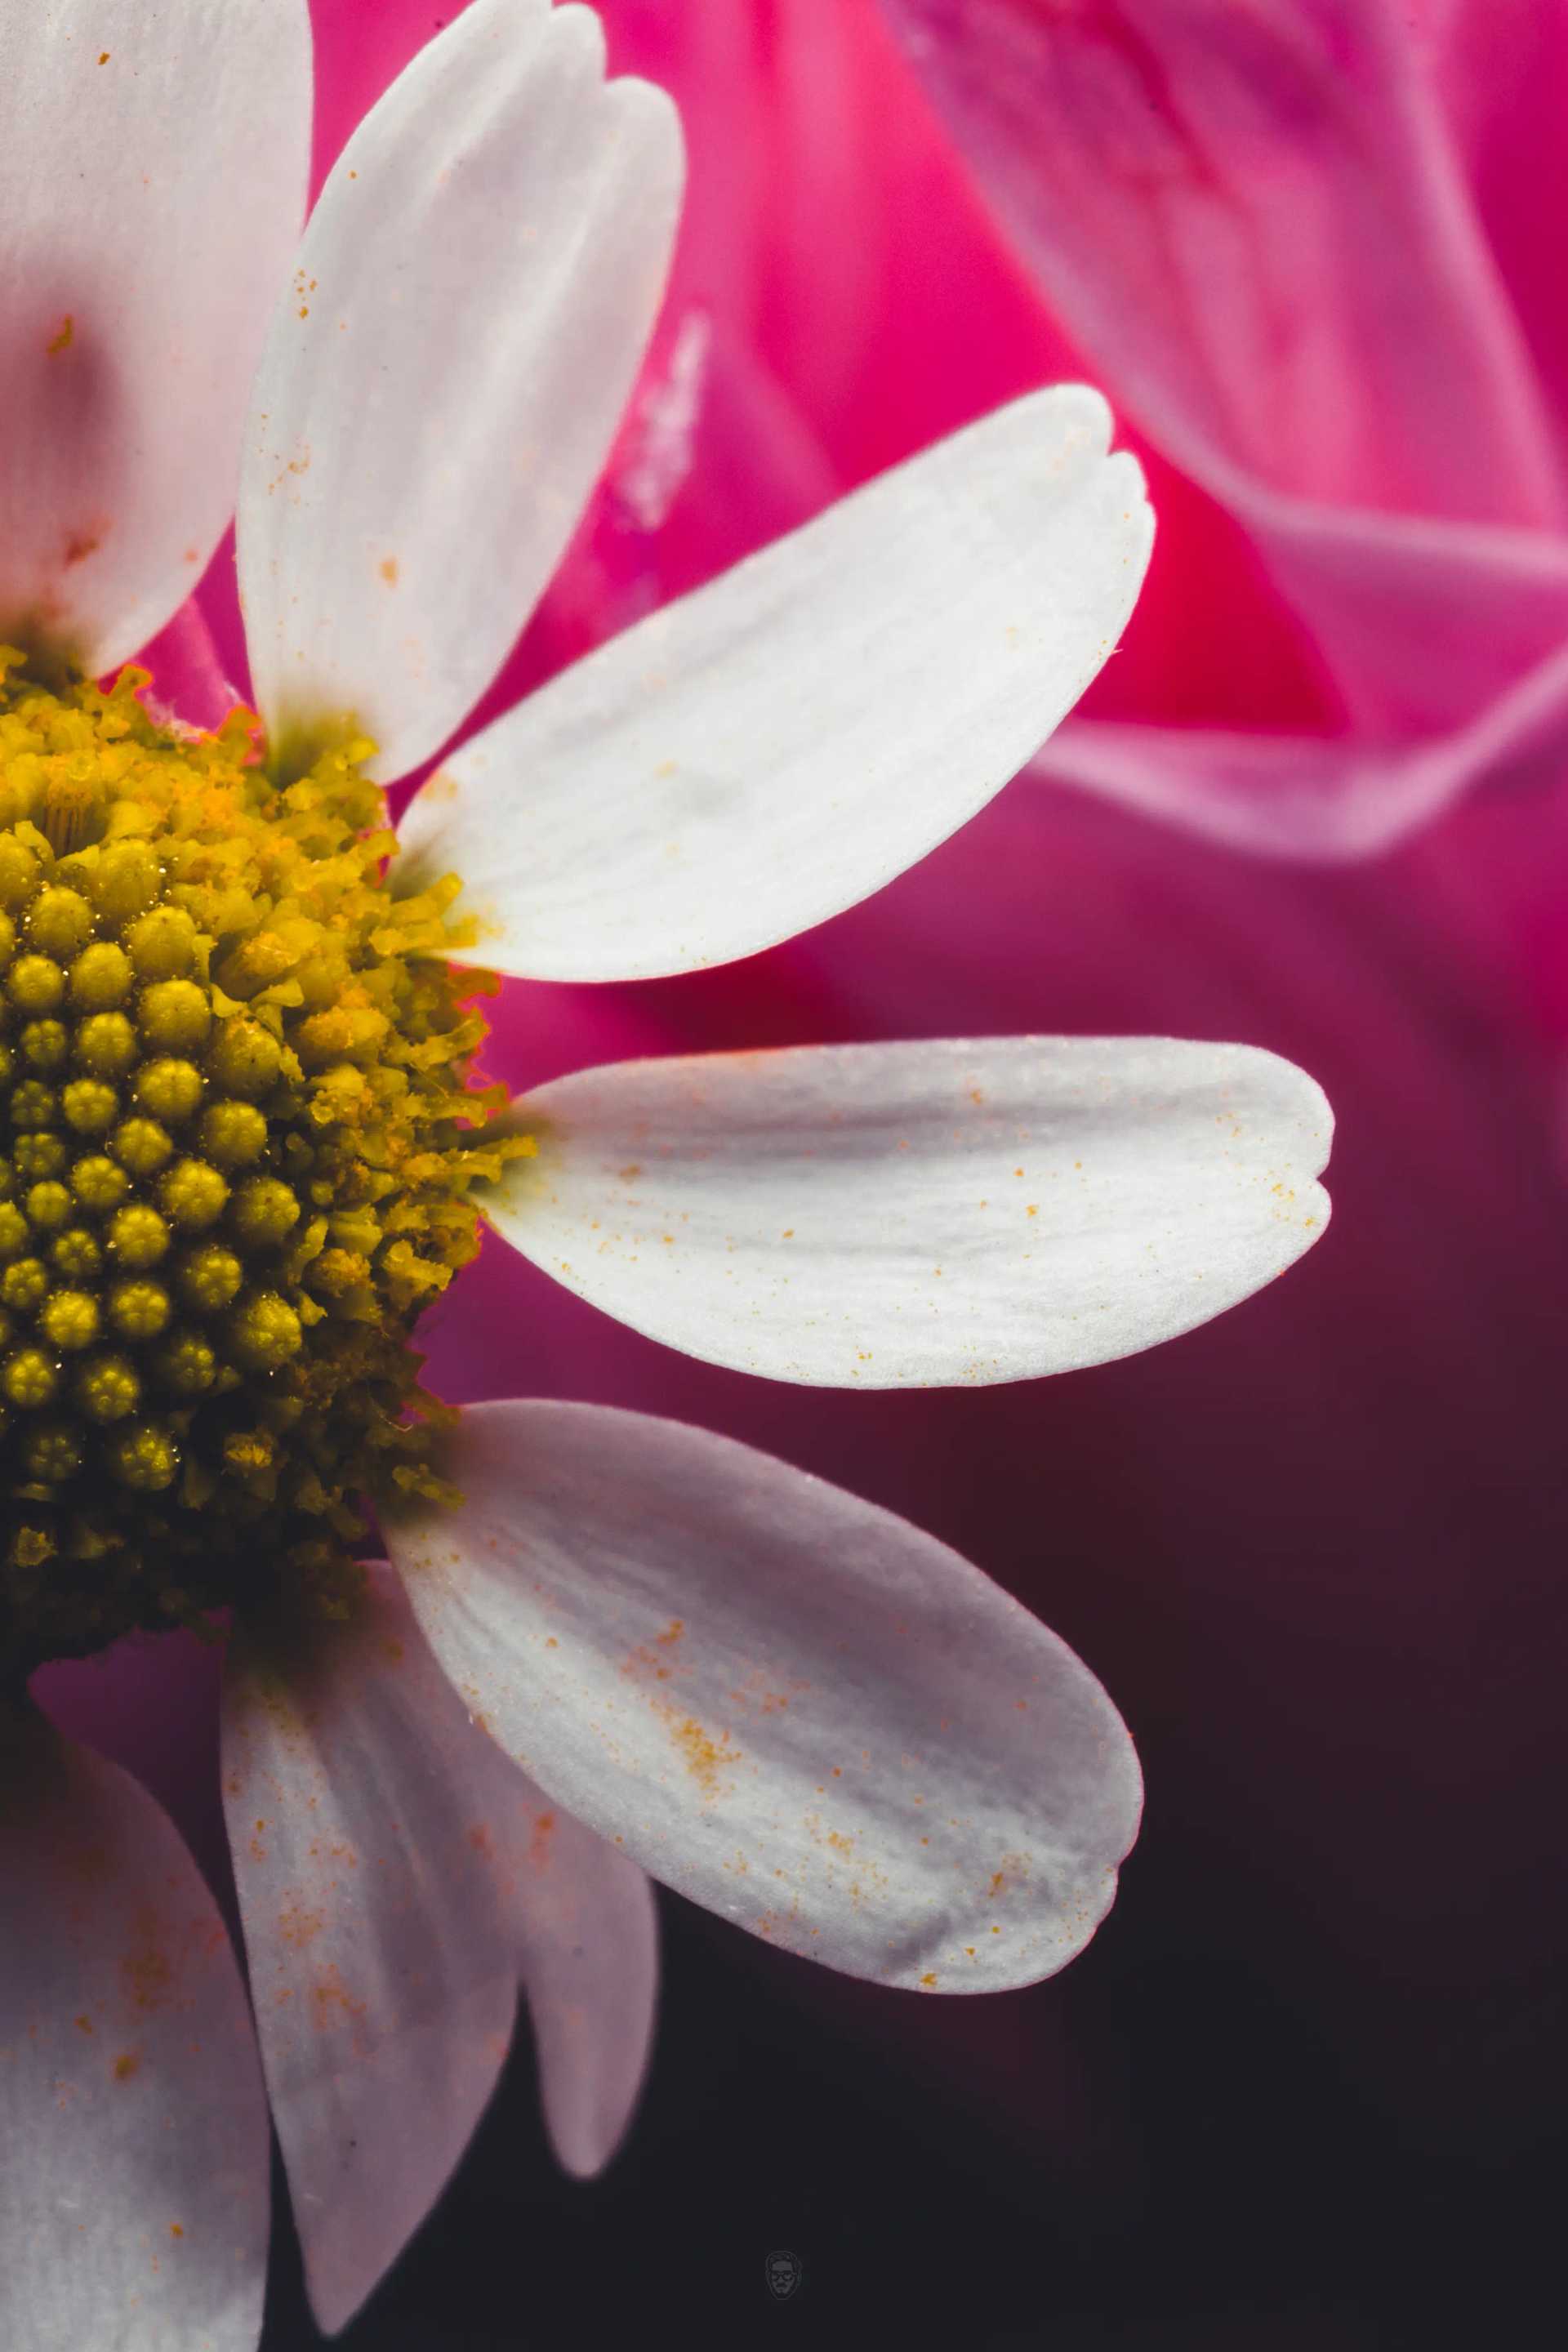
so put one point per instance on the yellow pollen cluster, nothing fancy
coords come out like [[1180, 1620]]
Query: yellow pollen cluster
[[237, 1136]]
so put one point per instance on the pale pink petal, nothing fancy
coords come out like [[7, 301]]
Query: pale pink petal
[[776, 746], [444, 377], [151, 183], [1277, 231], [1252, 221], [788, 1705], [586, 1933], [1503, 71], [1423, 622], [1320, 798], [133, 2144], [189, 687], [921, 1213], [381, 1972]]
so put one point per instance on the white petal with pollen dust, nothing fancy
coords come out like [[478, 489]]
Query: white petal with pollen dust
[[134, 2161], [446, 371], [153, 182], [381, 1969], [909, 1215], [781, 743], [790, 1706]]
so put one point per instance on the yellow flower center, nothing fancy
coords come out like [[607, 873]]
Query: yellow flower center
[[238, 1133]]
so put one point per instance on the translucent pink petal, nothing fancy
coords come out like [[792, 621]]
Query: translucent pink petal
[[1502, 70], [1252, 220], [1261, 225], [1314, 797], [133, 2144], [188, 680], [1423, 622], [382, 1975]]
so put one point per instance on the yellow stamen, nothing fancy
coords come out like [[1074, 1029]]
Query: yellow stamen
[[238, 1133]]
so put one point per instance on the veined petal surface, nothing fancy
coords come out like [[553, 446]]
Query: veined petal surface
[[134, 2141], [920, 1213], [381, 1973], [774, 747], [153, 182], [788, 1705], [1252, 220], [445, 373]]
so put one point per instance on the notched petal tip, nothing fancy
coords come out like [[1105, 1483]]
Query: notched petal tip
[[688, 801], [861, 1750], [501, 142], [936, 1212]]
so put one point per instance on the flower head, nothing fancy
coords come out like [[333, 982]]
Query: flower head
[[245, 1154], [241, 1143]]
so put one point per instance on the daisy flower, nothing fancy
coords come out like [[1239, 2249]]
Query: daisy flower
[[245, 1151]]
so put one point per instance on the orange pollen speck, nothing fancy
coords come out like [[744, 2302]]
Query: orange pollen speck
[[705, 1756]]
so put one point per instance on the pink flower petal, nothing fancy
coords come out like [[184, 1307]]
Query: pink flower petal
[[188, 681], [1302, 797], [1423, 622], [133, 2144], [1502, 70], [1259, 225], [1251, 219]]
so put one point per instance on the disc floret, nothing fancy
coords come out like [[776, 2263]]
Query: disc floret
[[237, 1131]]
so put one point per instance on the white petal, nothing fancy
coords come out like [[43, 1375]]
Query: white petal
[[791, 1706], [134, 2143], [903, 1215], [444, 378], [767, 751], [587, 1936], [381, 1969], [151, 185]]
